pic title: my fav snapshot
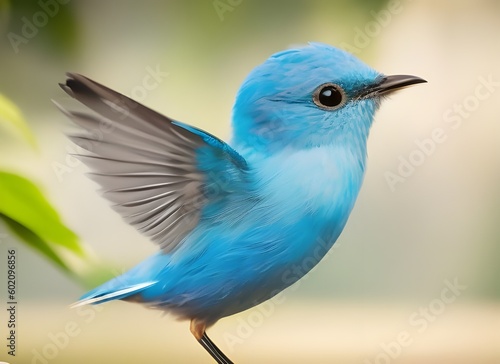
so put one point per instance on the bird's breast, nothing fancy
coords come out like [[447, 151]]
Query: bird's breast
[[322, 181]]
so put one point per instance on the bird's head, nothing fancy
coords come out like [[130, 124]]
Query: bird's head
[[309, 97]]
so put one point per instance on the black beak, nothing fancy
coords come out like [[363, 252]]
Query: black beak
[[389, 84]]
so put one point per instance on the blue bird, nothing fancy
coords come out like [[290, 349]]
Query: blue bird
[[232, 219]]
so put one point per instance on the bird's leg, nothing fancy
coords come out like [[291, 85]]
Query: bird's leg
[[198, 330]]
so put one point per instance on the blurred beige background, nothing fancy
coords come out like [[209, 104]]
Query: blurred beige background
[[414, 278]]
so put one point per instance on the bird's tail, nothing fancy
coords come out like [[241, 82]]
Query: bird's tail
[[101, 294], [141, 277]]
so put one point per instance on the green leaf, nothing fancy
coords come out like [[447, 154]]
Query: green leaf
[[12, 118], [33, 240], [22, 201]]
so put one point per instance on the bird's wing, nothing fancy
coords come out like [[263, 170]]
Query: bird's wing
[[157, 172]]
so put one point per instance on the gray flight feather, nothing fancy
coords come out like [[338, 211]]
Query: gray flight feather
[[144, 162]]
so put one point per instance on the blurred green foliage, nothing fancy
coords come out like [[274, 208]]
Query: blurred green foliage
[[23, 207], [53, 23], [28, 214], [12, 119]]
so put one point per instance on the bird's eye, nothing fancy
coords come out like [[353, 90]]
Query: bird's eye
[[329, 96]]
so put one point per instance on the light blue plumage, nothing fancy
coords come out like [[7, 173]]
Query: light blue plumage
[[233, 220]]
